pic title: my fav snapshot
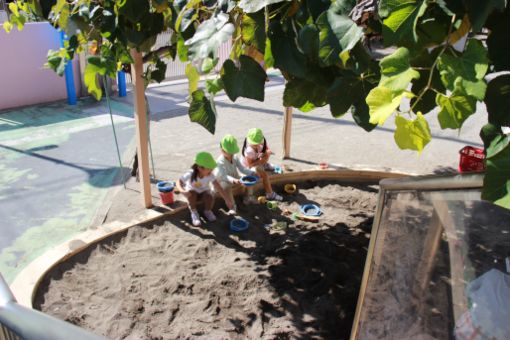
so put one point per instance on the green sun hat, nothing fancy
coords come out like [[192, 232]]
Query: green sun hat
[[255, 136], [205, 159], [229, 144]]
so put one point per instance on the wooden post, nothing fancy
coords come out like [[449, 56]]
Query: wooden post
[[287, 127], [141, 128]]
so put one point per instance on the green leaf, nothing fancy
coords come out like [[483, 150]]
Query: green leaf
[[345, 92], [382, 102], [247, 81], [252, 6], [499, 37], [254, 31], [471, 67], [158, 74], [329, 46], [455, 109], [488, 133], [345, 30], [479, 11], [496, 182], [268, 55], [208, 64], [303, 94], [214, 86], [193, 78], [7, 26], [134, 11], [182, 50], [497, 100], [90, 80], [396, 72], [286, 55], [361, 116], [400, 25], [309, 41], [209, 36], [202, 111], [412, 134]]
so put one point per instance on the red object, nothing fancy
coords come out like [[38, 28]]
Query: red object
[[167, 197], [471, 159]]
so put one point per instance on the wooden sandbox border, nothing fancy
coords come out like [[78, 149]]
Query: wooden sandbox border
[[26, 283]]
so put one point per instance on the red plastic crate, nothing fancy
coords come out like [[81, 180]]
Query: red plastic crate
[[471, 159]]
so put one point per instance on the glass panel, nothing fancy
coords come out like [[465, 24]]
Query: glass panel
[[438, 269]]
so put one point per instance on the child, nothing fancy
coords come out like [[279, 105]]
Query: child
[[195, 184], [256, 156], [228, 165]]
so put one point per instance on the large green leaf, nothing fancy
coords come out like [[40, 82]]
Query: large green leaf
[[268, 55], [253, 30], [412, 134], [193, 78], [498, 43], [496, 183], [303, 94], [396, 72], [497, 100], [455, 109], [247, 81], [90, 80], [202, 111], [214, 86], [286, 55], [403, 15], [345, 92], [252, 6], [382, 102], [209, 36], [345, 30], [478, 11], [471, 67], [361, 116], [337, 34], [309, 41]]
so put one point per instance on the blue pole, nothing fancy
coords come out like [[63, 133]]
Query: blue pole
[[71, 91], [121, 83]]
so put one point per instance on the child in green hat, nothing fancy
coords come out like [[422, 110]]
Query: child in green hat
[[196, 184], [256, 157], [229, 165]]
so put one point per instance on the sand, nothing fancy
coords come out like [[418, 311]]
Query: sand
[[169, 280]]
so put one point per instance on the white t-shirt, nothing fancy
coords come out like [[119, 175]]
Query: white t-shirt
[[200, 185], [253, 153]]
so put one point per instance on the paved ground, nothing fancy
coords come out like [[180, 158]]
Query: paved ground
[[59, 167]]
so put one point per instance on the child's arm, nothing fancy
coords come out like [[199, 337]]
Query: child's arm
[[223, 194], [180, 186], [244, 170]]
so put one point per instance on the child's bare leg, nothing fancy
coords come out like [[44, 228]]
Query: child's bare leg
[[208, 200], [265, 179], [191, 196]]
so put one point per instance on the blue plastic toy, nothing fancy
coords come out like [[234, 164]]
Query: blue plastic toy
[[239, 224], [311, 210], [166, 186], [248, 181]]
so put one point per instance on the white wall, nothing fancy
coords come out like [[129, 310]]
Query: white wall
[[23, 79]]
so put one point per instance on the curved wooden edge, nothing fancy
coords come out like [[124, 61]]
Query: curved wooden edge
[[26, 283]]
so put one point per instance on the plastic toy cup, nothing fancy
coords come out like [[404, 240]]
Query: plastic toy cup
[[248, 181], [311, 210], [239, 224], [272, 205], [278, 169], [262, 199], [290, 188]]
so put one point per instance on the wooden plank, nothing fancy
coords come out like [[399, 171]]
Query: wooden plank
[[141, 128], [287, 129]]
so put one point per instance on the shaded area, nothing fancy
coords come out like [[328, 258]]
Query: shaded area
[[170, 279]]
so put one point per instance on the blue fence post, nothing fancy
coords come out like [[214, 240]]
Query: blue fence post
[[121, 83], [71, 91]]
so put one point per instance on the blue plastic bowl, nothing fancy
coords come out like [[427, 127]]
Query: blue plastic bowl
[[166, 186], [248, 181], [311, 210], [239, 224]]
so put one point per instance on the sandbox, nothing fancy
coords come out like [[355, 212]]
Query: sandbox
[[168, 279]]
